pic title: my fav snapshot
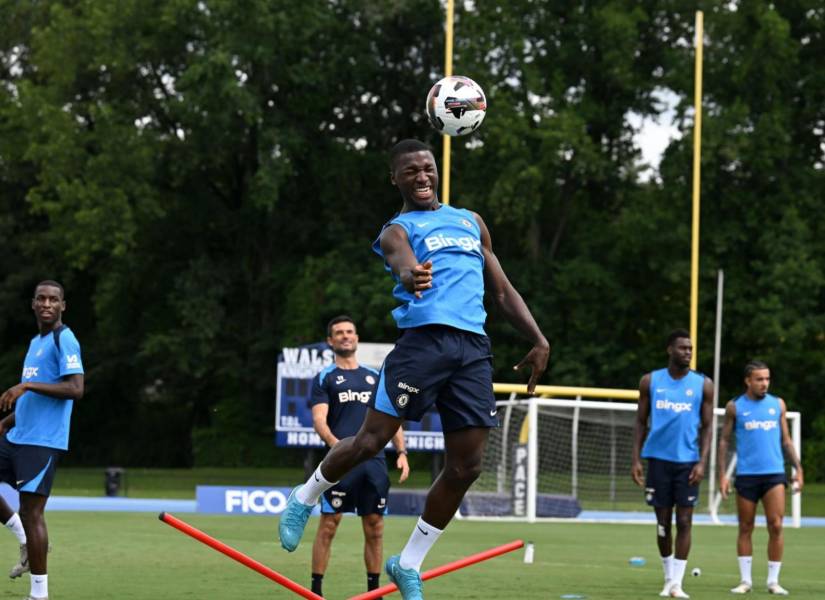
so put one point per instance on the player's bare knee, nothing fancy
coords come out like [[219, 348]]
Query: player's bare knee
[[369, 443], [374, 531], [683, 523], [327, 528], [775, 526], [746, 526], [463, 472]]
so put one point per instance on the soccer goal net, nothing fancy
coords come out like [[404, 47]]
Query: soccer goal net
[[564, 458]]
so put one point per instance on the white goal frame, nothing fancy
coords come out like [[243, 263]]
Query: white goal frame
[[577, 404]]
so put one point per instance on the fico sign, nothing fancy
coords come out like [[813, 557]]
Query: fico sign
[[241, 500]]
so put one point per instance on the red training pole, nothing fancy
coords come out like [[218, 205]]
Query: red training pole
[[238, 556], [444, 569]]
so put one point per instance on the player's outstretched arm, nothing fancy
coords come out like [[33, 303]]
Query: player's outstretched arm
[[415, 277], [697, 473], [637, 472], [512, 305], [790, 451], [724, 444]]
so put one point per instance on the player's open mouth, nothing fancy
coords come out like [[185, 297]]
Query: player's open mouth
[[424, 192]]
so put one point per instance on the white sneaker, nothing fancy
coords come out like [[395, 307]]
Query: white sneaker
[[676, 591], [665, 593], [743, 588], [22, 565], [775, 588]]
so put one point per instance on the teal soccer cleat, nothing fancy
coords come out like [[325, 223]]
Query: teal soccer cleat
[[408, 580], [293, 521]]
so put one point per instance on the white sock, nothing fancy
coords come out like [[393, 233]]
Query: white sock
[[773, 571], [313, 488], [745, 564], [677, 571], [422, 539], [667, 562], [16, 527], [40, 586]]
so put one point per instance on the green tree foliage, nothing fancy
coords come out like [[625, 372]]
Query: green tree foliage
[[206, 177]]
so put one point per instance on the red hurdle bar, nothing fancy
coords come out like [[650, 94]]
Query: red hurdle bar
[[239, 556], [444, 569]]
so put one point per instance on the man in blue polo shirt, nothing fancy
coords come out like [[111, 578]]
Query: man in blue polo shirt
[[36, 434], [679, 404], [762, 437], [341, 394]]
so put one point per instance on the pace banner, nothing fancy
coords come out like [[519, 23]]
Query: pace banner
[[293, 415]]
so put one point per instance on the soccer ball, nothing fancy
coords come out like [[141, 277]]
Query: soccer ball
[[696, 572], [456, 105]]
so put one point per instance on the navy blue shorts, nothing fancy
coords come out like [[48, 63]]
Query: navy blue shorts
[[667, 484], [440, 365], [753, 487], [364, 490], [28, 468]]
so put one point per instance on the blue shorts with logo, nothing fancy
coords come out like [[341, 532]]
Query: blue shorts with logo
[[28, 468], [441, 365], [753, 487], [364, 490], [667, 484]]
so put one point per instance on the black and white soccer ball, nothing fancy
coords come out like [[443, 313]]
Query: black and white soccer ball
[[456, 105]]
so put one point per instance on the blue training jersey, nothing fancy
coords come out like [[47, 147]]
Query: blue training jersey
[[758, 436], [675, 414], [451, 239], [41, 420], [348, 393]]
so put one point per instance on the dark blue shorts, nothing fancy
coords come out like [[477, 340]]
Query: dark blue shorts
[[667, 484], [753, 487], [440, 365], [364, 490], [28, 468]]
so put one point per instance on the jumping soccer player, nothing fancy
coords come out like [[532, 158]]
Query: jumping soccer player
[[678, 401], [340, 398], [761, 436], [442, 261], [36, 434]]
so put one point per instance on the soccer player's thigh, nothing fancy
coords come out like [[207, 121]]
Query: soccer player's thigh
[[748, 493], [466, 399], [34, 468], [343, 496], [659, 484], [414, 372], [773, 496], [373, 489], [684, 494]]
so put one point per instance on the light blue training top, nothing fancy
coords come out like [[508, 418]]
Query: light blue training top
[[758, 436], [675, 414], [451, 239], [41, 420]]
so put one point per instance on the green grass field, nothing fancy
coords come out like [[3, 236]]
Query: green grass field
[[133, 556]]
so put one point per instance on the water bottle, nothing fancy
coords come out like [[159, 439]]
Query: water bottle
[[528, 553]]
